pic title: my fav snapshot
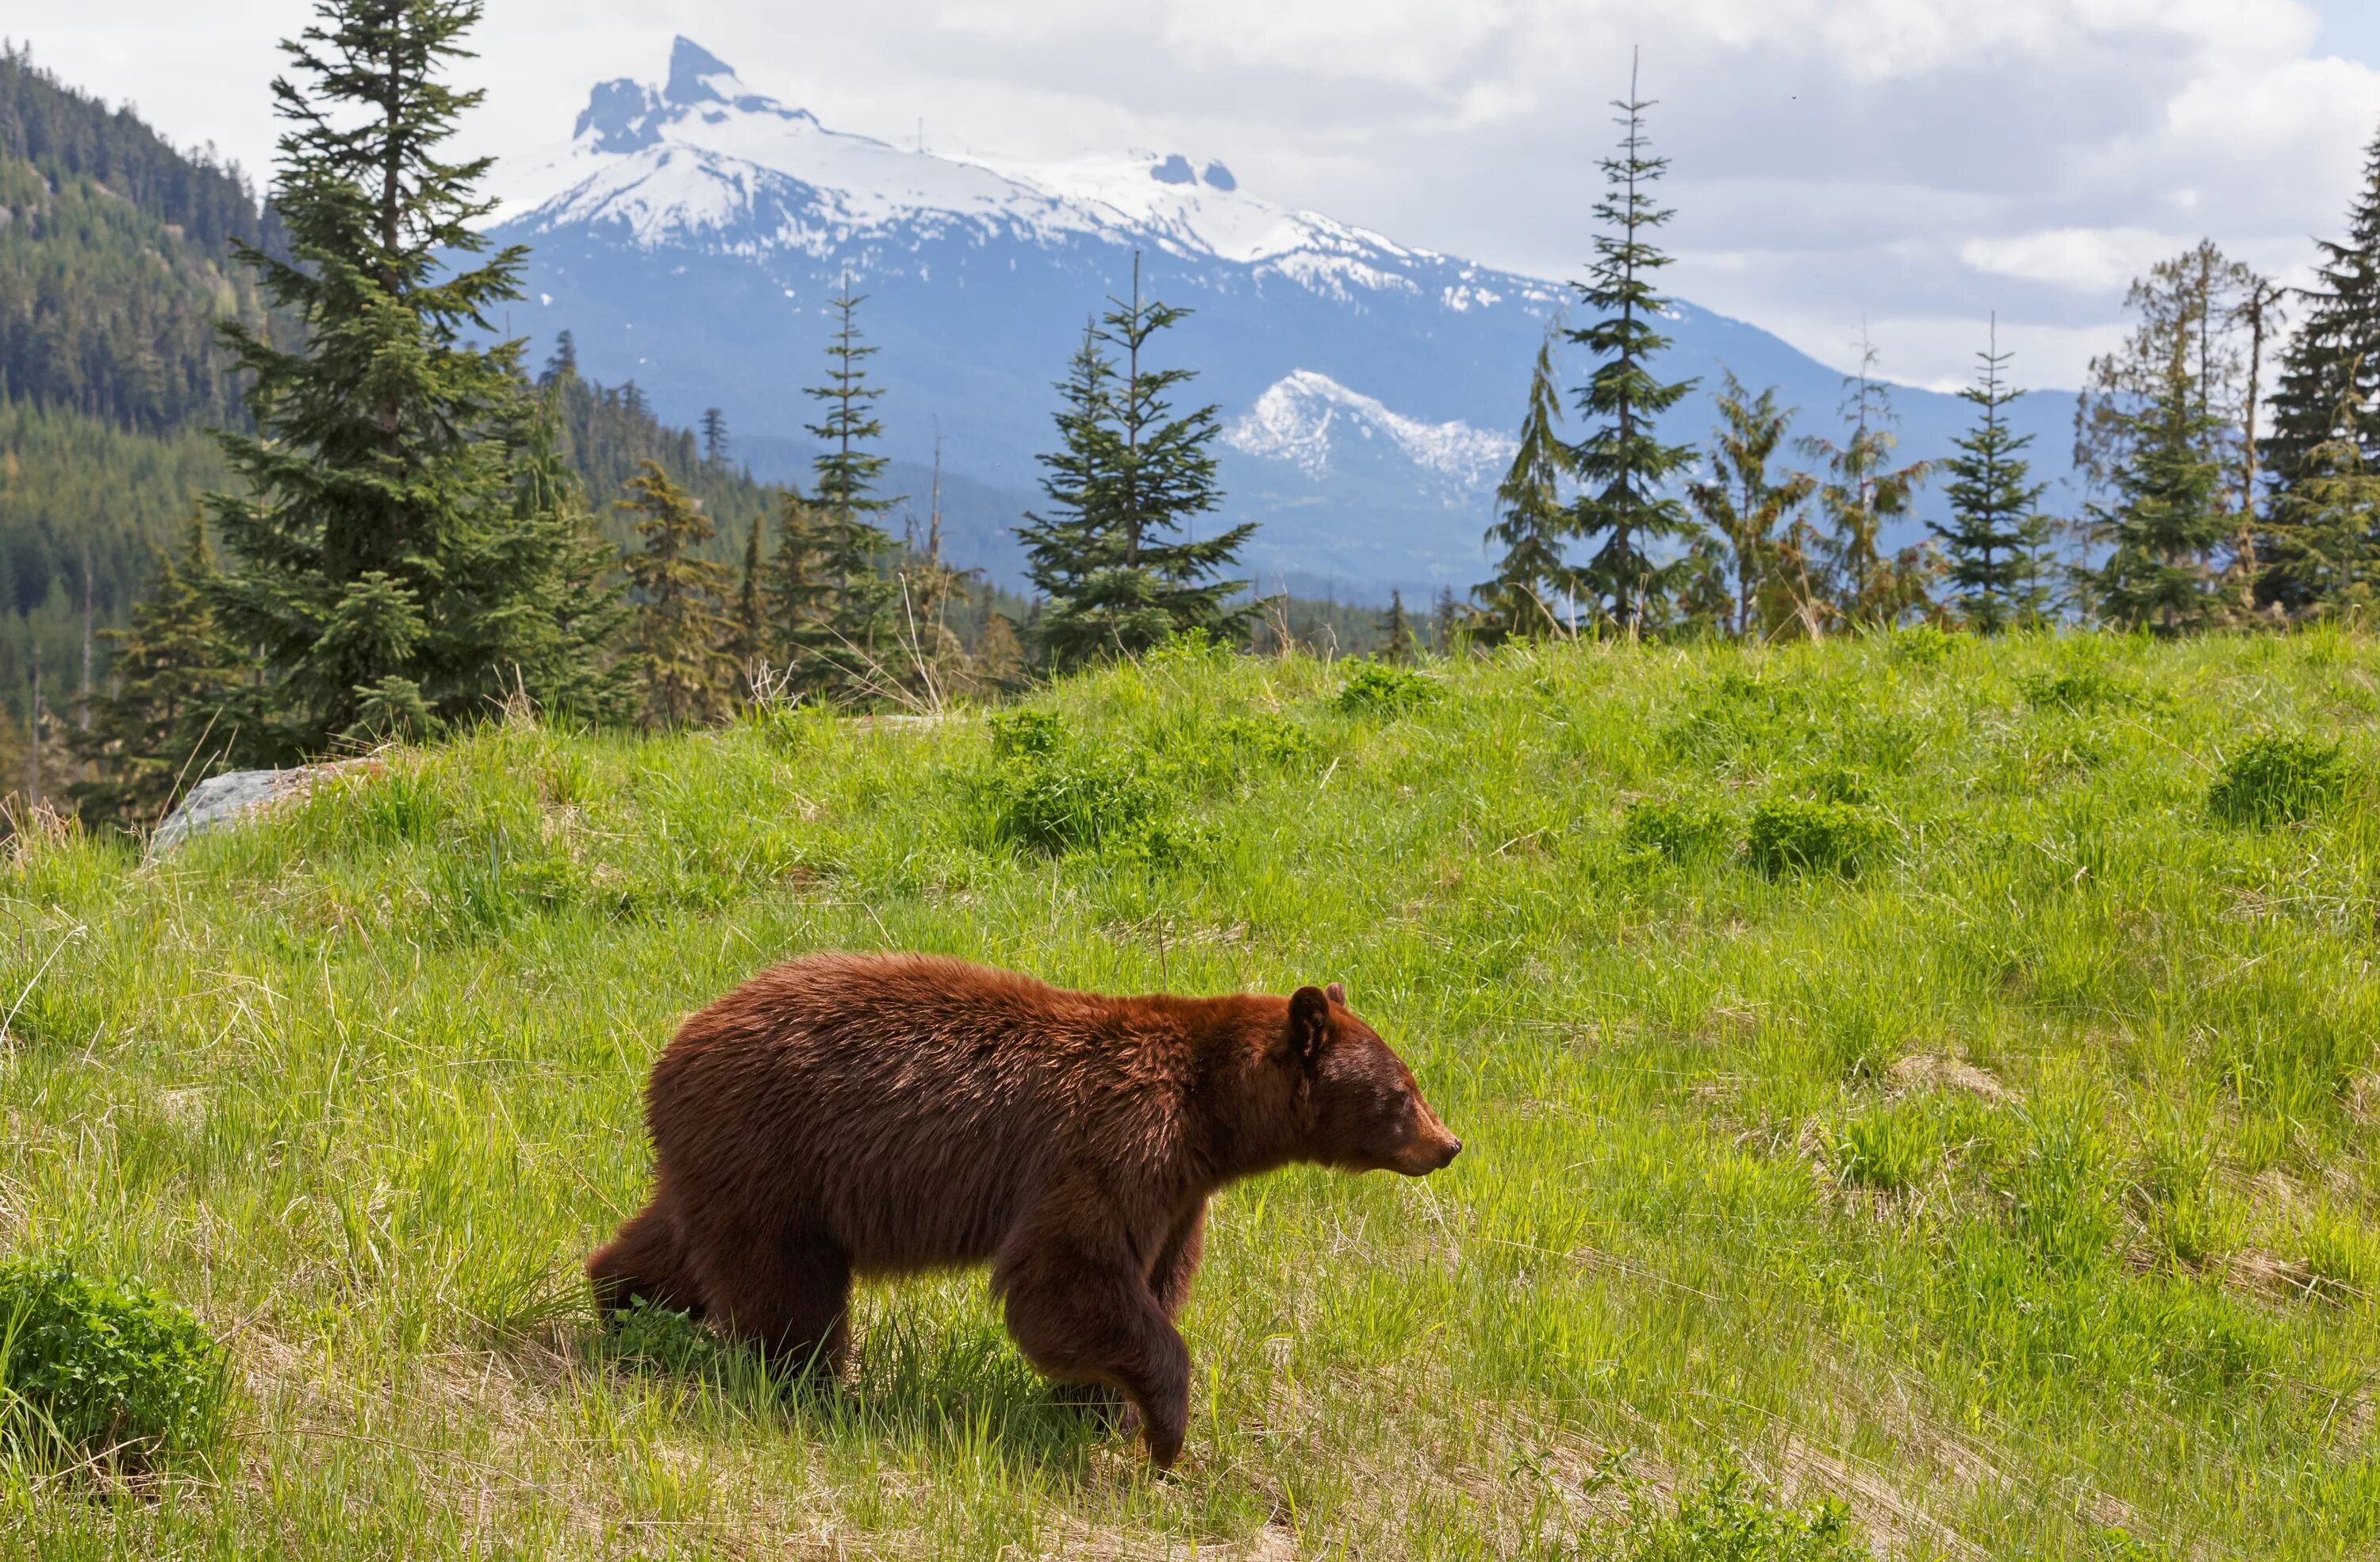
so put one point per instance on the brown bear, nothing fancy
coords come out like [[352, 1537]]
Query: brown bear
[[885, 1114]]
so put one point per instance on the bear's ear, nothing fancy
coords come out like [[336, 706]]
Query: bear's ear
[[1337, 993], [1309, 1024]]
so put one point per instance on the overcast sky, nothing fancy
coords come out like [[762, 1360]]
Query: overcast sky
[[1913, 164]]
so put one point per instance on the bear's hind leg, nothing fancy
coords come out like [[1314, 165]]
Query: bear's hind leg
[[788, 1293], [646, 1260]]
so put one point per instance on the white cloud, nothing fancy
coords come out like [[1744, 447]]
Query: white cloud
[[2088, 259]]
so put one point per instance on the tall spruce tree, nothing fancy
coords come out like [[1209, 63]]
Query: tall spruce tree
[[2168, 517], [800, 600], [1533, 585], [1396, 631], [679, 641], [851, 545], [2332, 364], [382, 566], [1864, 492], [1115, 553], [581, 598], [1621, 462], [715, 435], [1742, 503], [1992, 504], [2323, 535], [174, 703]]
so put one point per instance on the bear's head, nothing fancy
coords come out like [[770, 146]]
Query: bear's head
[[1361, 1108]]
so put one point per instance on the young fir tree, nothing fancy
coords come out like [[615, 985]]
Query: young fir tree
[[585, 678], [1533, 587], [678, 640], [851, 544], [2333, 363], [1991, 505], [174, 700], [1115, 554], [715, 435], [2168, 517], [2322, 537], [1396, 631], [1863, 493], [1621, 464], [800, 601], [1742, 503], [383, 568]]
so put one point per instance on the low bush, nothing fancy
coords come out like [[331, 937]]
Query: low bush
[[1382, 687], [1681, 829], [1791, 835], [94, 1369], [1730, 1517], [1047, 789], [2276, 779]]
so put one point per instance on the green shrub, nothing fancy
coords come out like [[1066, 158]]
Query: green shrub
[[2078, 687], [88, 1367], [1794, 835], [1048, 791], [1891, 1149], [1922, 646], [1383, 687], [1686, 830], [2276, 780], [1730, 1517]]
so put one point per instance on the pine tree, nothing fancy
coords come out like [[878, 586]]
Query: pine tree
[[1396, 631], [1991, 504], [1863, 493], [2168, 517], [382, 567], [800, 602], [581, 600], [2332, 366], [1621, 464], [1449, 620], [1742, 503], [1532, 583], [850, 544], [176, 701], [1115, 553], [678, 640], [715, 435], [2322, 537]]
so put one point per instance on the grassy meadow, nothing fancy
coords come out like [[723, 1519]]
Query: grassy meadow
[[1919, 1098]]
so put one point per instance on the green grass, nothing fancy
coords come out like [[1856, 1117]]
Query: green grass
[[2006, 1188]]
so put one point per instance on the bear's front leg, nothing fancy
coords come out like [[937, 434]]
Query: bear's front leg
[[1080, 1309]]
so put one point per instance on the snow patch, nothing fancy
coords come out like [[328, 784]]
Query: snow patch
[[1303, 417]]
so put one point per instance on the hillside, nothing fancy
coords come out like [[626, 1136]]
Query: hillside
[[2016, 1188], [692, 229]]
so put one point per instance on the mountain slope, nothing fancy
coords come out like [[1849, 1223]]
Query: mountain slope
[[691, 232]]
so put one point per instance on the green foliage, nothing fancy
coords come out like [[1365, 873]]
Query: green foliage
[[1992, 514], [1383, 688], [1114, 555], [679, 643], [2077, 686], [2332, 362], [1864, 492], [2275, 779], [2168, 514], [1730, 1517], [1746, 507], [1794, 835], [2061, 1195], [1048, 790], [1622, 465], [1678, 828], [1890, 1148], [1921, 645], [94, 1368], [1531, 594]]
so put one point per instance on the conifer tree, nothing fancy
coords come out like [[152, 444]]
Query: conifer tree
[[1621, 462], [2322, 537], [2332, 364], [850, 544], [715, 435], [1991, 504], [581, 600], [747, 639], [800, 601], [1865, 492], [383, 567], [1742, 503], [1396, 630], [2168, 517], [678, 642], [1115, 553], [175, 704], [1533, 584]]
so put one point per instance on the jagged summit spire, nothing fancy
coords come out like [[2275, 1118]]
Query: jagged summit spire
[[690, 65]]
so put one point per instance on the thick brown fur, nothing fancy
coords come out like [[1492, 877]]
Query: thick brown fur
[[884, 1114]]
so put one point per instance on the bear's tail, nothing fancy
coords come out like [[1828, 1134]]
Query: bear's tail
[[648, 1260]]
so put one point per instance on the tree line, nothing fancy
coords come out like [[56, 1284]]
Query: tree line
[[2194, 521]]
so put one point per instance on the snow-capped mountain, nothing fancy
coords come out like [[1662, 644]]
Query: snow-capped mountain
[[690, 233]]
